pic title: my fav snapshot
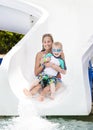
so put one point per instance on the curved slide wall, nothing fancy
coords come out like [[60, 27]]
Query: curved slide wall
[[17, 68]]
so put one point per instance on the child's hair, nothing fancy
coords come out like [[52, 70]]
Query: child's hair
[[46, 35], [58, 44]]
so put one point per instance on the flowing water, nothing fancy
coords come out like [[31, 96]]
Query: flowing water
[[62, 123], [30, 120]]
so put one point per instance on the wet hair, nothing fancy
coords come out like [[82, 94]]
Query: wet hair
[[46, 35]]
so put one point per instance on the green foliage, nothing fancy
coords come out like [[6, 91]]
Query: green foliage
[[8, 40]]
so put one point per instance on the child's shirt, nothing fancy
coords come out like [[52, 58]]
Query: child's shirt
[[57, 61]]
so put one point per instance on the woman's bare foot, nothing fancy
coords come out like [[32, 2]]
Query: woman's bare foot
[[27, 92], [41, 98]]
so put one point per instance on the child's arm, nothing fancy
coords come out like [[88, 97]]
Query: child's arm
[[55, 67], [58, 68]]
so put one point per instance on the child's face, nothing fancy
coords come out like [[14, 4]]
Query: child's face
[[56, 50]]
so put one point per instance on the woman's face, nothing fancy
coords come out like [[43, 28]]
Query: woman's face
[[47, 43]]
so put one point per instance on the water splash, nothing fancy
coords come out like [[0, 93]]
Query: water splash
[[29, 119]]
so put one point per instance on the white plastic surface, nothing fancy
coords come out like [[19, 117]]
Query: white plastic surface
[[18, 66]]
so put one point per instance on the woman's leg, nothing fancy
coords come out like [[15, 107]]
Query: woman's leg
[[34, 84], [35, 89], [32, 91]]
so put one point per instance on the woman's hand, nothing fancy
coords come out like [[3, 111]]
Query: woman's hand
[[48, 64], [62, 55]]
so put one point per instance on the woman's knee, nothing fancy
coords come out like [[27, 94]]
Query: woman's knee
[[36, 89]]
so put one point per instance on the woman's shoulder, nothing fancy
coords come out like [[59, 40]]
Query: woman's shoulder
[[40, 53]]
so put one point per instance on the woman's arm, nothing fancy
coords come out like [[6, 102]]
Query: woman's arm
[[63, 57], [38, 68]]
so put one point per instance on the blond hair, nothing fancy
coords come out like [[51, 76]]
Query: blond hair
[[58, 44]]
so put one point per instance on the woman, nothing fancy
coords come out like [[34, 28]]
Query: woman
[[47, 41]]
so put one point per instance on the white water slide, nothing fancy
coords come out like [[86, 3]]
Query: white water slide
[[16, 70]]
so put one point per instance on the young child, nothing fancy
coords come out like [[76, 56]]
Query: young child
[[48, 76], [50, 73]]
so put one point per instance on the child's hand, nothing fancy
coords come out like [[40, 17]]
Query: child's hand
[[45, 60], [48, 59]]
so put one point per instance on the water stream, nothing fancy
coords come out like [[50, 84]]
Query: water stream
[[28, 119]]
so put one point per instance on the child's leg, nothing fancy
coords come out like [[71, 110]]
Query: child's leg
[[52, 89], [43, 93]]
